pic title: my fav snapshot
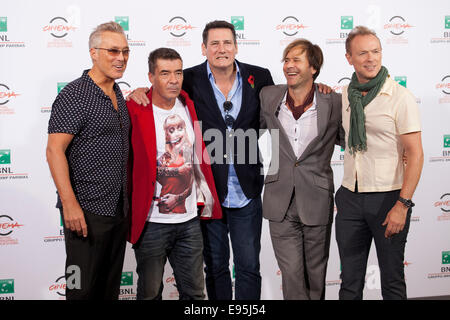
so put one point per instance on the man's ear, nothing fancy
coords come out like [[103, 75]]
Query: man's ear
[[203, 49], [93, 53], [150, 77], [348, 56]]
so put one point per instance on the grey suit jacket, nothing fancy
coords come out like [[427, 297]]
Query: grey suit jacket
[[310, 175]]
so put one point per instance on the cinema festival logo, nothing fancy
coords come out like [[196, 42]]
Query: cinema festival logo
[[59, 27], [124, 87], [7, 95], [341, 84], [444, 87], [8, 225], [178, 27], [290, 26], [59, 286], [397, 26], [444, 205]]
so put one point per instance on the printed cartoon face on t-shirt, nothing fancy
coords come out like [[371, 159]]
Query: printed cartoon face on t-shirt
[[176, 135], [175, 173]]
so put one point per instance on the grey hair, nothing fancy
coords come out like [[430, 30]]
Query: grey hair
[[96, 36], [358, 31]]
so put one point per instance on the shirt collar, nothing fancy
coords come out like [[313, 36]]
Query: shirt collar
[[313, 106], [388, 87], [86, 77]]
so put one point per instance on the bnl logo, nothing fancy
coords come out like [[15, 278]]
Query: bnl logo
[[126, 279], [447, 22], [123, 21], [5, 156], [346, 22], [446, 141], [237, 22], [445, 257], [60, 86], [6, 286], [401, 80], [3, 24]]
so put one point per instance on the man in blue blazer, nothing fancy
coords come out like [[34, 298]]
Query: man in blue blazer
[[226, 97]]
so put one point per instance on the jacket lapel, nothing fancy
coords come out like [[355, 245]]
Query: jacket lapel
[[323, 115], [246, 93], [147, 127], [284, 140], [207, 93]]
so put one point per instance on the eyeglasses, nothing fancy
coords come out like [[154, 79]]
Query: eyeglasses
[[229, 120], [116, 52]]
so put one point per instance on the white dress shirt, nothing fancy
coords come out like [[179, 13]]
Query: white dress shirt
[[302, 131]]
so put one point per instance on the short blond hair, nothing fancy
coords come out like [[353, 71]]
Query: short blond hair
[[95, 37], [358, 31]]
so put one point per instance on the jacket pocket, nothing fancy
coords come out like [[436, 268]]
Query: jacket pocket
[[271, 178], [323, 183]]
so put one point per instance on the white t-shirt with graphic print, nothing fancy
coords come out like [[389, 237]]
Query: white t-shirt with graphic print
[[174, 200]]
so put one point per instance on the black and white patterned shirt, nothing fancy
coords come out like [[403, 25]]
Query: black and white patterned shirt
[[98, 153]]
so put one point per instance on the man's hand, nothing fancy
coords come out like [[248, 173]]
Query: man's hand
[[74, 219], [169, 201], [323, 88], [139, 96], [395, 219]]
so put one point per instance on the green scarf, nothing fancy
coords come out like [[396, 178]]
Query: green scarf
[[357, 140]]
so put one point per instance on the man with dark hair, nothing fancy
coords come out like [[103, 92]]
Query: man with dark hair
[[381, 122], [170, 176], [298, 197], [87, 153], [226, 96]]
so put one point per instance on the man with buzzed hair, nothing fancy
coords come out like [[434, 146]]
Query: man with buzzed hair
[[381, 122], [171, 176], [87, 153]]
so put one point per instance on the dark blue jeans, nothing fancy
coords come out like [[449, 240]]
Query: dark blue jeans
[[182, 244], [244, 226]]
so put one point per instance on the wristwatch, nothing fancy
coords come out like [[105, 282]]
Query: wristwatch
[[406, 202]]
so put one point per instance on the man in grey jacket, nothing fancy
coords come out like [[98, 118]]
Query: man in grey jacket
[[298, 197]]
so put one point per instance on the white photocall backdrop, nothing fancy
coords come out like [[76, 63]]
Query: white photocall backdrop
[[44, 45]]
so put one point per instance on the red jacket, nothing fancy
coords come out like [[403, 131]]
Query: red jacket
[[142, 162]]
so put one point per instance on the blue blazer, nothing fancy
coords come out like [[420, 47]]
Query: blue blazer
[[197, 85]]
